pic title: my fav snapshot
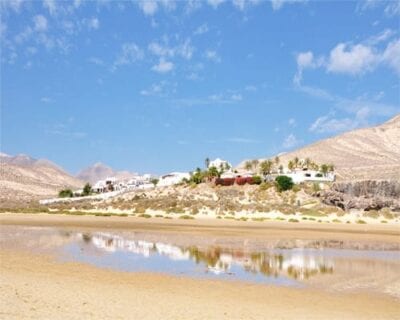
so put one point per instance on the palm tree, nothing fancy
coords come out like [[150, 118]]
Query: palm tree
[[213, 172], [296, 162], [255, 164], [277, 160], [308, 163], [280, 169], [291, 165], [207, 162], [266, 167], [248, 165], [324, 169]]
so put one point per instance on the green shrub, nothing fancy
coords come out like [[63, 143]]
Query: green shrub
[[284, 183], [66, 193], [384, 221], [257, 180], [186, 217], [293, 220], [144, 215], [360, 221]]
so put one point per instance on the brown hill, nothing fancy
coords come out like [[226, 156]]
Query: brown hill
[[100, 171], [24, 179], [369, 153]]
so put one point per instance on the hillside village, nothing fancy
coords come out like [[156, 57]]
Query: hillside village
[[219, 172]]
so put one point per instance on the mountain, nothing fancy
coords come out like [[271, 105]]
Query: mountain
[[369, 153], [23, 179], [100, 171]]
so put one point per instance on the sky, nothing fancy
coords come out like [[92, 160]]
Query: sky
[[158, 86]]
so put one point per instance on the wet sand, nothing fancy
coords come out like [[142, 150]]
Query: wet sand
[[36, 286], [260, 230]]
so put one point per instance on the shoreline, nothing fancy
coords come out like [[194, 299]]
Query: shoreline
[[265, 230]]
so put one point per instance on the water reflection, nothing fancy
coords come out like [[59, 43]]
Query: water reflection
[[279, 262], [217, 260]]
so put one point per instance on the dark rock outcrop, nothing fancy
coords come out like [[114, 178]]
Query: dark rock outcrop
[[365, 195]]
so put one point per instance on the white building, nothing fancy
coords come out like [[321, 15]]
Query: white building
[[219, 163], [172, 178], [300, 176], [108, 184]]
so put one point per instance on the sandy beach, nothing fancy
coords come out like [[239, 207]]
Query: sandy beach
[[36, 286]]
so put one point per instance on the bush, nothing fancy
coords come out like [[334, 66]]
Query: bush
[[284, 183], [257, 180], [293, 220], [186, 217], [66, 193], [87, 189]]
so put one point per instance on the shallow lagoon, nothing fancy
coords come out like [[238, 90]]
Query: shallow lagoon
[[295, 263]]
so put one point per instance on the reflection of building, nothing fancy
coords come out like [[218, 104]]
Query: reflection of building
[[295, 264]]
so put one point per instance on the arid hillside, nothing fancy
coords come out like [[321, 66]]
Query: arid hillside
[[23, 179], [370, 153], [100, 171]]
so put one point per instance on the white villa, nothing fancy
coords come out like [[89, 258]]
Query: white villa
[[112, 184], [108, 184], [172, 178], [299, 176], [219, 163]]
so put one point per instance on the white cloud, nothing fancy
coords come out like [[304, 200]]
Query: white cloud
[[11, 4], [244, 4], [326, 124], [161, 50], [292, 122], [393, 8], [391, 55], [251, 88], [242, 140], [380, 37], [330, 124], [278, 4], [96, 61], [352, 59], [153, 90], [50, 5], [306, 60], [237, 97], [184, 50], [130, 53], [201, 29], [77, 3], [46, 99], [215, 3], [40, 23], [93, 23], [212, 56], [163, 66], [149, 7], [291, 141], [192, 5]]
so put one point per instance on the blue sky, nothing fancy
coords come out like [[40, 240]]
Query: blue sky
[[159, 86]]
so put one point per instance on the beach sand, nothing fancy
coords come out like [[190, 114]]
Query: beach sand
[[36, 286]]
